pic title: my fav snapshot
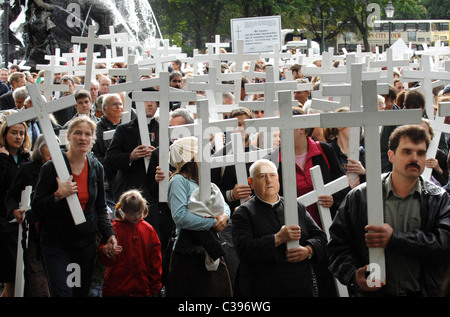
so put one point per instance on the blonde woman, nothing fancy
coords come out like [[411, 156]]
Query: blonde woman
[[64, 243], [15, 147]]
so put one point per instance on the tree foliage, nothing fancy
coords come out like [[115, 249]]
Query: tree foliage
[[192, 23]]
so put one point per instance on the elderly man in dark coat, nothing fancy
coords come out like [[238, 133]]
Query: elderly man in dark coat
[[267, 268]]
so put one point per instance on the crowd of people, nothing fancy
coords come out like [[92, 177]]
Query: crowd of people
[[235, 242]]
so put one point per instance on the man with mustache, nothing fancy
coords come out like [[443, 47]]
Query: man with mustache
[[416, 232]]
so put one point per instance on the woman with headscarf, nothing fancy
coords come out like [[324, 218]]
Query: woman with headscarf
[[196, 266]]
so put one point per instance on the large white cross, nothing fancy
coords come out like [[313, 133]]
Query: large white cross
[[41, 111], [390, 65], [287, 123], [276, 55], [212, 86], [239, 57], [426, 77], [269, 89], [439, 127], [371, 119], [325, 217], [135, 84], [202, 129], [91, 41], [48, 87], [119, 40], [165, 95], [238, 158], [354, 91]]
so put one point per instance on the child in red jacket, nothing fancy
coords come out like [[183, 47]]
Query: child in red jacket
[[134, 268]]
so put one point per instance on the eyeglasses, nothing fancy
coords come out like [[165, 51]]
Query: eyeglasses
[[116, 104]]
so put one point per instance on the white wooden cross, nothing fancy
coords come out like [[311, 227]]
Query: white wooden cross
[[325, 216], [19, 286], [269, 89], [73, 59], [439, 127], [251, 74], [48, 87], [162, 55], [239, 57], [354, 91], [444, 109], [370, 118], [426, 77], [238, 158], [91, 41], [217, 45], [276, 55], [119, 40], [135, 84], [390, 65], [165, 95], [212, 87], [287, 123], [41, 111], [202, 129]]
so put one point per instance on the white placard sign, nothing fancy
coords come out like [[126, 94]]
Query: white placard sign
[[259, 34]]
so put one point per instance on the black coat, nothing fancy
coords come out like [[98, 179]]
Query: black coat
[[27, 175], [430, 245], [125, 140], [57, 225], [7, 101], [263, 269], [8, 171]]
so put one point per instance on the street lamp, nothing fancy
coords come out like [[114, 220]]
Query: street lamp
[[5, 4], [390, 10], [319, 12]]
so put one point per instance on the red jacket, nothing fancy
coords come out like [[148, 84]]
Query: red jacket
[[136, 271]]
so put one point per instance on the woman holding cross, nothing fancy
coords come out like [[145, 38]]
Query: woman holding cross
[[69, 250], [15, 145]]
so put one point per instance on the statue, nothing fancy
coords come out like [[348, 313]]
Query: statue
[[50, 24]]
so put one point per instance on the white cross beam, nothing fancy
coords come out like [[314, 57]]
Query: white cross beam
[[238, 56], [444, 109], [48, 87], [287, 123], [390, 65], [439, 127], [41, 111], [269, 89], [276, 56], [202, 129], [238, 158], [217, 45], [426, 77], [313, 197], [19, 286], [165, 95], [91, 41], [135, 84], [371, 119]]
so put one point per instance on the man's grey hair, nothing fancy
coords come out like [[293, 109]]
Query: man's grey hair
[[107, 97], [258, 163], [21, 92], [186, 114]]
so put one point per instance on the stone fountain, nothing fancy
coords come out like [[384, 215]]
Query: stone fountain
[[38, 27]]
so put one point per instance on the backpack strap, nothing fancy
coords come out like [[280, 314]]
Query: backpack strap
[[323, 154]]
